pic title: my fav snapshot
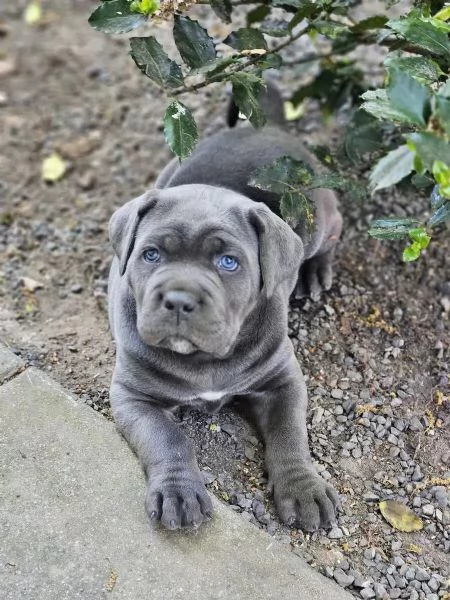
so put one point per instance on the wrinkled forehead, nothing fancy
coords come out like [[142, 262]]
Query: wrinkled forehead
[[188, 214]]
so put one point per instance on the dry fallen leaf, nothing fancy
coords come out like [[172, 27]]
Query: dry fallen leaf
[[81, 146], [400, 516], [32, 13], [53, 168], [31, 284]]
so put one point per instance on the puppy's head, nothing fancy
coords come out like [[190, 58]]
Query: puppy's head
[[197, 260]]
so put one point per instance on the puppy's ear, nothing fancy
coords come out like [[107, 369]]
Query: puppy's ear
[[124, 224], [280, 251]]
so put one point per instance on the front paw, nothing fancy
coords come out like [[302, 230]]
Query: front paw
[[178, 498], [303, 499]]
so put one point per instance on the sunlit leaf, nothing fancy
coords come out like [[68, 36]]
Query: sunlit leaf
[[180, 129], [53, 168], [400, 516], [392, 168]]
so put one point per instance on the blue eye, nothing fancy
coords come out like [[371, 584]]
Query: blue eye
[[228, 263], [151, 255]]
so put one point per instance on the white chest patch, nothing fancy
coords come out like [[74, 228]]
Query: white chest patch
[[212, 396]]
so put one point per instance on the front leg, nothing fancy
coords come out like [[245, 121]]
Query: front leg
[[176, 494], [301, 496]]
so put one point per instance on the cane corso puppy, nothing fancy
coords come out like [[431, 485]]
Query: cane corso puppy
[[198, 305]]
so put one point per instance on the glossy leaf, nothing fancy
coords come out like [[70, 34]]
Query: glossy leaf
[[429, 147], [408, 96], [154, 62], [441, 215], [373, 22], [180, 129], [392, 168], [246, 38], [392, 228], [223, 9], [377, 103], [116, 16], [246, 88], [422, 34], [442, 112], [290, 179], [195, 46], [421, 68]]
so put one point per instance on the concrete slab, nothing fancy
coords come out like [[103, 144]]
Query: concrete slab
[[10, 364], [72, 522]]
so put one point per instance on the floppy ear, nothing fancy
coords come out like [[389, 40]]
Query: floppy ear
[[124, 224], [280, 251]]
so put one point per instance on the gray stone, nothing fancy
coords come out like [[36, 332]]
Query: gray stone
[[10, 364], [367, 593], [422, 575], [428, 510], [342, 578], [335, 533], [72, 518]]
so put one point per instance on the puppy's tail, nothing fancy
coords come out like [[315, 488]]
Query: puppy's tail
[[270, 100]]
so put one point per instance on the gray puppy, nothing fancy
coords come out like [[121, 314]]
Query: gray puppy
[[198, 298]]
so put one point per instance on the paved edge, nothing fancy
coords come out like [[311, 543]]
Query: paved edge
[[10, 364], [73, 526]]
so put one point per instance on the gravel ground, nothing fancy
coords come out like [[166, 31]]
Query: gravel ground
[[375, 350]]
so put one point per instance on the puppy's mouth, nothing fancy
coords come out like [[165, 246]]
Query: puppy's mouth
[[178, 344]]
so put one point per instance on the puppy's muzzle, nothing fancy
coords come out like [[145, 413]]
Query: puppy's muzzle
[[180, 303]]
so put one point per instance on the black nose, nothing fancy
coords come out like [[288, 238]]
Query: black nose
[[180, 301]]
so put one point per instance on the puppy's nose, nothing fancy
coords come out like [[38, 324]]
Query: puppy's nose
[[180, 301]]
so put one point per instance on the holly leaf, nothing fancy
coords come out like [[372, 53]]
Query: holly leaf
[[246, 38], [223, 9], [153, 61], [392, 168], [246, 88], [429, 148], [422, 34], [392, 228], [409, 97], [193, 42], [180, 129], [116, 16], [421, 68]]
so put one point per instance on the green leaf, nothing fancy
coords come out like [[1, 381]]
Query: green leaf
[[180, 129], [442, 112], [246, 38], [275, 27], [441, 215], [296, 207], [441, 173], [411, 252], [422, 34], [373, 22], [363, 135], [269, 61], [443, 14], [145, 7], [153, 61], [421, 68], [429, 148], [223, 9], [116, 16], [392, 168], [420, 236], [377, 103], [409, 96], [258, 14], [246, 88], [193, 42], [290, 179], [392, 228], [214, 68]]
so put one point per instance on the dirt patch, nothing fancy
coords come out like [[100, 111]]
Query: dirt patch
[[375, 350]]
